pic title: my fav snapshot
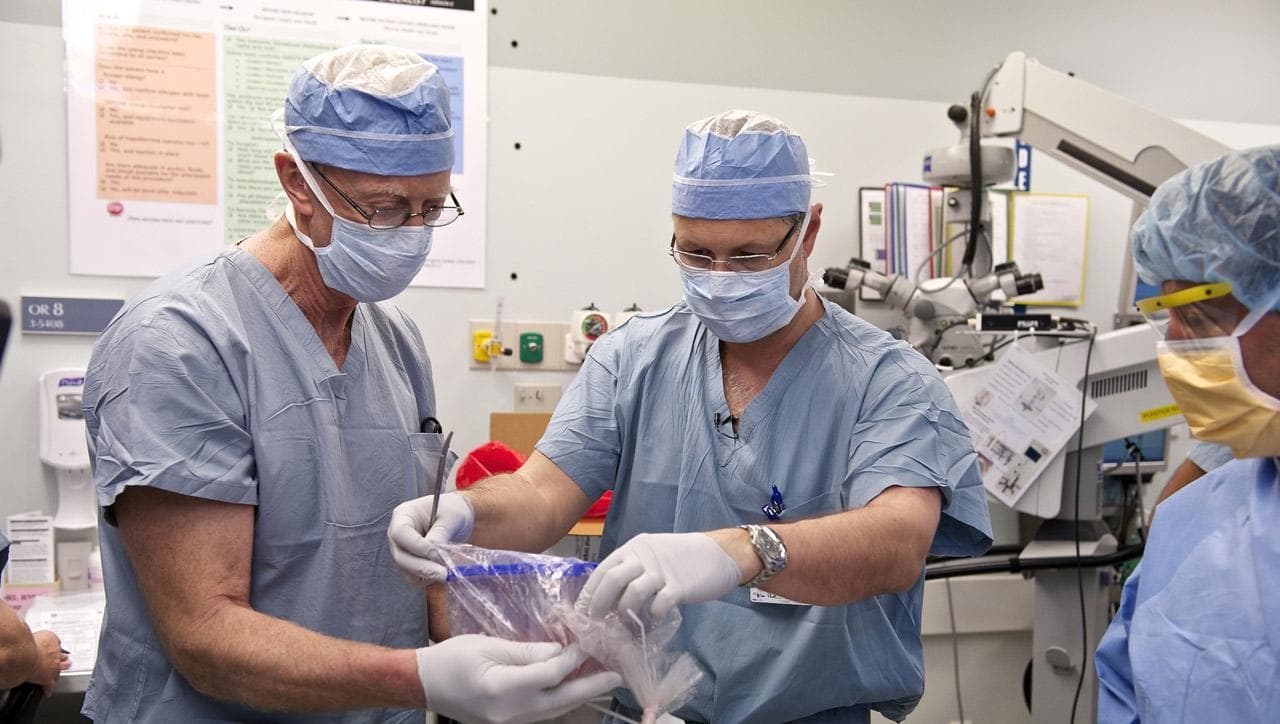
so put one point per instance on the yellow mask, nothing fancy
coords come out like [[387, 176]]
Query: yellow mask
[[1222, 405]]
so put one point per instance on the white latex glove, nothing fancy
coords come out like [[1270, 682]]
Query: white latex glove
[[480, 678], [658, 571], [413, 546]]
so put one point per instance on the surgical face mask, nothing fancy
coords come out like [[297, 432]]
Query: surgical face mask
[[744, 307], [366, 264], [1221, 404]]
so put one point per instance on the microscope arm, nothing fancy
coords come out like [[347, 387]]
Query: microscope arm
[[1098, 133]]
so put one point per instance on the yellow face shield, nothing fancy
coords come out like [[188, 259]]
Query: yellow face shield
[[1202, 311], [1203, 366]]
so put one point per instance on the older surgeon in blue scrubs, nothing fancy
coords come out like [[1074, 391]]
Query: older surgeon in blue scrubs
[[696, 415], [254, 420], [1197, 637]]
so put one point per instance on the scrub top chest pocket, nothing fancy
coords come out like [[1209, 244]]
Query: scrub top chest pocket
[[762, 501], [425, 450]]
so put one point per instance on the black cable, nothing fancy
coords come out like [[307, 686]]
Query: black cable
[[1014, 564], [1142, 506], [1084, 619], [996, 346], [975, 180], [955, 650], [719, 421], [994, 550], [939, 334], [6, 321], [1132, 453], [1125, 513], [1136, 453]]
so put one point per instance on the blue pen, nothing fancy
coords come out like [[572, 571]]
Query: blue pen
[[774, 508]]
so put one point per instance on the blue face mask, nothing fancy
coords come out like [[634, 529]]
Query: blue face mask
[[366, 264], [744, 307]]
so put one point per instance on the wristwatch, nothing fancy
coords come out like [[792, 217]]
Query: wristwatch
[[771, 550]]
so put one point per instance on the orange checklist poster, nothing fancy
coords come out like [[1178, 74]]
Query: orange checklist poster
[[156, 112]]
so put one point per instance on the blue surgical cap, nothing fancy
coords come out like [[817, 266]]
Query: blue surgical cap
[[371, 108], [1217, 222], [740, 165]]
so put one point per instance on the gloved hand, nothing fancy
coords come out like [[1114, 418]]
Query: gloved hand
[[480, 678], [657, 572], [413, 546]]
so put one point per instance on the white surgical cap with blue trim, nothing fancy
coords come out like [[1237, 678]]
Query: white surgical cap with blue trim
[[375, 109], [1217, 222], [740, 165]]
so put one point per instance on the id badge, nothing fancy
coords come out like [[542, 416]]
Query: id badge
[[762, 596]]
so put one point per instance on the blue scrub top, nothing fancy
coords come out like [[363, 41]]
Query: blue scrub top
[[212, 383], [1197, 637], [849, 412]]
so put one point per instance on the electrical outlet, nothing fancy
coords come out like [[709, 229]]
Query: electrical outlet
[[537, 398]]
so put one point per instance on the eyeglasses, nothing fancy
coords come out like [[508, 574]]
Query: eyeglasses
[[1205, 310], [384, 219], [741, 263]]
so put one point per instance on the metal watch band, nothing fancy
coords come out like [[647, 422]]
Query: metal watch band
[[771, 551]]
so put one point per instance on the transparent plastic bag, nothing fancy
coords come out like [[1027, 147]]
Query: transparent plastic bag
[[529, 597]]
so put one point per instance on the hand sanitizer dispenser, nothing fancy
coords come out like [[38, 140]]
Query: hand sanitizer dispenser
[[64, 448]]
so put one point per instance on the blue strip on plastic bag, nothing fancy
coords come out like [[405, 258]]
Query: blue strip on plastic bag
[[580, 568]]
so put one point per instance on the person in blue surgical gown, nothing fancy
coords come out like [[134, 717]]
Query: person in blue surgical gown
[[752, 403], [1203, 457], [253, 420], [1197, 637]]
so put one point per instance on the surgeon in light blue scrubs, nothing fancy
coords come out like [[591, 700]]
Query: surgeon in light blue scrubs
[[1197, 637], [751, 403], [252, 423]]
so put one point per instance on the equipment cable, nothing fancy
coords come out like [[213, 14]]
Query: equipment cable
[[1142, 504], [1132, 453], [1084, 630], [920, 267], [975, 180], [997, 346], [1014, 564], [955, 649]]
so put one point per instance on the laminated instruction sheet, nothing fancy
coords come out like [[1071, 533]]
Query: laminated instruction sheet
[[1020, 419]]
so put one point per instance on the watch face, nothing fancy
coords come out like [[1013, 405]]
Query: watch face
[[770, 546]]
